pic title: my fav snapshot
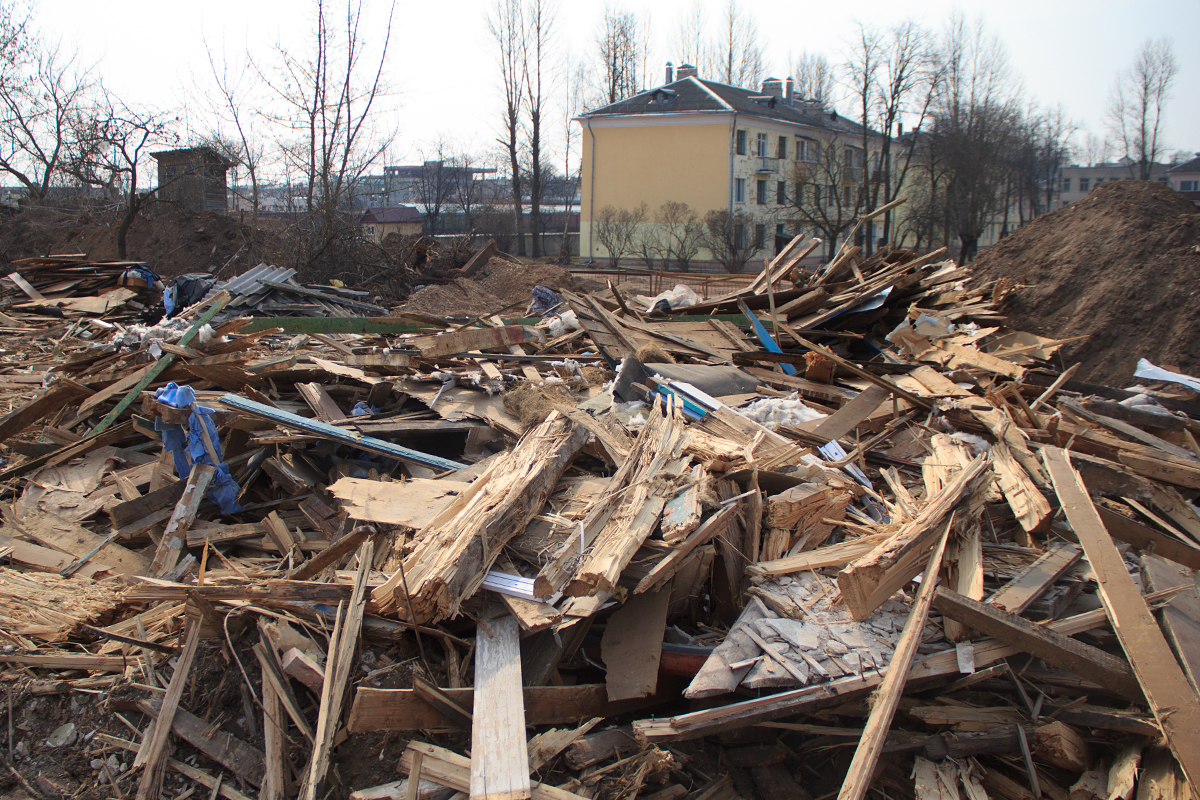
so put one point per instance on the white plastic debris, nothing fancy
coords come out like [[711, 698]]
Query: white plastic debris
[[771, 412], [679, 297]]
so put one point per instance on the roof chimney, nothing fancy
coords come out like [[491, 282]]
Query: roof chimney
[[686, 71], [670, 72], [789, 94], [773, 87]]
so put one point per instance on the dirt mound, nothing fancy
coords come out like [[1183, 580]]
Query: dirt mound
[[171, 241], [462, 297], [1122, 267], [512, 282]]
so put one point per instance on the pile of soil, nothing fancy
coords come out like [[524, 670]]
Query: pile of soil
[[172, 241], [1122, 267], [462, 297], [511, 282]]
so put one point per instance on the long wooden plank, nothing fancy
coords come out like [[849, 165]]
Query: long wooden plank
[[1029, 506], [227, 750], [1144, 538], [404, 710], [468, 339], [1180, 618], [851, 415], [1171, 697], [1161, 470], [1017, 595], [150, 783], [887, 698], [1061, 651], [499, 756]]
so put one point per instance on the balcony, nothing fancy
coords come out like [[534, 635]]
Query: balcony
[[767, 164]]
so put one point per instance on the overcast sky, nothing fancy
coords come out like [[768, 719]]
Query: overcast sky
[[442, 62]]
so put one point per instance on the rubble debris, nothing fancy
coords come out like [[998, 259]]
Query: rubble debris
[[697, 553]]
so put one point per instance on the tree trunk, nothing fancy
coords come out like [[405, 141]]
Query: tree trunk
[[535, 183]]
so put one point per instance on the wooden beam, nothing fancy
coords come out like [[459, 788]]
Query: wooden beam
[[171, 545], [1060, 651], [62, 394], [499, 755], [468, 339], [1027, 586], [887, 697], [1143, 538], [1171, 697]]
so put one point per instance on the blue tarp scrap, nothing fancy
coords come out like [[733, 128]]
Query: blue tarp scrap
[[544, 299], [187, 445]]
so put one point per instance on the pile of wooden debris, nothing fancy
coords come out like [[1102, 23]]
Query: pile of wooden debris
[[839, 532]]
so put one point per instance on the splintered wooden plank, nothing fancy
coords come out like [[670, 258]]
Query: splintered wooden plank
[[887, 697], [1144, 538], [1017, 595], [63, 393], [1090, 663], [413, 504], [1177, 473], [468, 339], [872, 579], [632, 645], [156, 748], [171, 545], [499, 756], [1028, 505], [1171, 697], [320, 402]]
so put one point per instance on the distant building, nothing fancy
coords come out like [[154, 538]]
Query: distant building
[[193, 178], [1185, 178], [377, 223], [1075, 181]]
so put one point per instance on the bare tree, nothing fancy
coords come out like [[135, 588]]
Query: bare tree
[[232, 85], [435, 185], [727, 237], [329, 94], [536, 53], [681, 231], [814, 78], [42, 94], [1095, 150], [974, 131], [1137, 102], [507, 26], [690, 45], [736, 54], [467, 186], [828, 195], [622, 48], [616, 229], [651, 247], [107, 149]]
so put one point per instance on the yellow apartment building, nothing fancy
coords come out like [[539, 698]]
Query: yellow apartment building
[[778, 165]]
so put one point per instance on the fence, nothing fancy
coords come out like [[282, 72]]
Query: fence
[[653, 282]]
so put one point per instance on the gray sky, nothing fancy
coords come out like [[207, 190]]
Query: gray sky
[[443, 68]]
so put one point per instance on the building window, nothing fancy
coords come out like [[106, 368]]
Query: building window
[[806, 149], [781, 149], [1066, 184], [1189, 186], [761, 197], [739, 236], [780, 193], [1083, 184], [816, 194], [831, 195], [1099, 181], [741, 143], [779, 231], [762, 145], [739, 190], [760, 236], [370, 230], [846, 193]]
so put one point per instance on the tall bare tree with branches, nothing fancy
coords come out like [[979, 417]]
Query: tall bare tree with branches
[[736, 53], [814, 78], [507, 26], [1138, 101], [622, 48], [329, 93], [536, 50]]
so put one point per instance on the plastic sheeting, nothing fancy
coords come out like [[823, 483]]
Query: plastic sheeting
[[187, 445]]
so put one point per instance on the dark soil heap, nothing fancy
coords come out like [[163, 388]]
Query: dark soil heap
[[1122, 267]]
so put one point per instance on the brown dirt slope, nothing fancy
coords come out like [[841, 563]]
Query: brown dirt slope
[[1121, 266]]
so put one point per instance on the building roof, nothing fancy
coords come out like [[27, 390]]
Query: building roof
[[187, 153], [1187, 166], [694, 95], [384, 216]]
